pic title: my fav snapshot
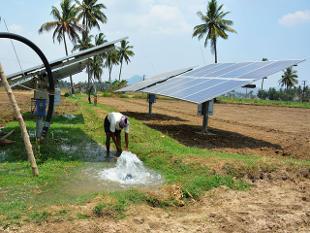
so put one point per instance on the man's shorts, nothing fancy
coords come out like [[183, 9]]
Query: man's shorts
[[107, 127]]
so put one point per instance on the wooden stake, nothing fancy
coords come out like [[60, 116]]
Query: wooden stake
[[22, 125]]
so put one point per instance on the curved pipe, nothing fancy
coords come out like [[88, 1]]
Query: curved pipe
[[51, 87]]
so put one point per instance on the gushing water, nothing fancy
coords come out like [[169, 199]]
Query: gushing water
[[130, 170]]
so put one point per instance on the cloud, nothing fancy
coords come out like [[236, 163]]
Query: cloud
[[153, 17], [164, 19], [295, 18]]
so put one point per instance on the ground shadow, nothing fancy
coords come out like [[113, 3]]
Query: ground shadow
[[155, 116], [190, 135], [59, 118], [62, 143]]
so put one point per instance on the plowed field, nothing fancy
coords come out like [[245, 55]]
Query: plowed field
[[245, 129]]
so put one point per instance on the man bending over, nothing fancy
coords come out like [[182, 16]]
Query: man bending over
[[114, 122]]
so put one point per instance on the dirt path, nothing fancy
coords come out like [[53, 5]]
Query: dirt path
[[268, 207], [245, 129]]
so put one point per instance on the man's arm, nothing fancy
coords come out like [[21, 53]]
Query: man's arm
[[126, 141]]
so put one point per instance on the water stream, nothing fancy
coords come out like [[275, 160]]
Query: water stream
[[108, 174], [129, 170]]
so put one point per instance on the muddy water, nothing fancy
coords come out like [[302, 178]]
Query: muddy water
[[105, 174], [109, 175]]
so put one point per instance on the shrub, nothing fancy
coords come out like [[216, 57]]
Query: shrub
[[98, 209]]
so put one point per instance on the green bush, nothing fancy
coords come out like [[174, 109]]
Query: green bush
[[106, 94], [98, 209]]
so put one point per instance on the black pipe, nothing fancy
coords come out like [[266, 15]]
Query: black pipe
[[51, 87]]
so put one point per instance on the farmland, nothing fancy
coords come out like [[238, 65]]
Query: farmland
[[245, 129], [252, 175]]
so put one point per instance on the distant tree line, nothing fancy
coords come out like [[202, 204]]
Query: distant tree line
[[293, 94], [100, 86]]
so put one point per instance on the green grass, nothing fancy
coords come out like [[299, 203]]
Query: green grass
[[260, 102], [25, 198]]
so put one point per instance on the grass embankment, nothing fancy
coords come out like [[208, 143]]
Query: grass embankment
[[260, 102], [190, 171]]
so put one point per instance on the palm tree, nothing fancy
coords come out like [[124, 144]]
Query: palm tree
[[90, 12], [82, 44], [125, 52], [214, 26], [65, 23], [111, 59], [96, 64], [289, 78]]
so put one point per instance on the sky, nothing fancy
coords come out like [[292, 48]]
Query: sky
[[161, 33]]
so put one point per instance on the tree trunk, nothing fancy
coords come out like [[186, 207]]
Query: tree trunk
[[215, 51], [88, 84], [19, 117], [110, 75], [95, 88], [72, 89], [120, 70]]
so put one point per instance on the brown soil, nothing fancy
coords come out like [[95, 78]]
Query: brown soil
[[244, 129], [23, 99], [268, 207], [276, 204]]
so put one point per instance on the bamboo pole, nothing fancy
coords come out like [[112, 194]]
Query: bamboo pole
[[19, 117]]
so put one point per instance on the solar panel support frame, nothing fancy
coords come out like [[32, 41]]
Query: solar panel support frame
[[205, 121]]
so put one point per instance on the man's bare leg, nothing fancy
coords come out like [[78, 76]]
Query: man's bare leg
[[107, 143], [118, 141]]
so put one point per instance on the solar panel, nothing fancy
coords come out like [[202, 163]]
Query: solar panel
[[206, 83], [153, 80], [26, 75]]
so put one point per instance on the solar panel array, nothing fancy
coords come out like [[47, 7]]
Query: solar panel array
[[211, 81], [153, 80], [27, 74]]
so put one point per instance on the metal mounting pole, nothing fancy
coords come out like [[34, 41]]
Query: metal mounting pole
[[205, 107], [150, 108], [151, 99]]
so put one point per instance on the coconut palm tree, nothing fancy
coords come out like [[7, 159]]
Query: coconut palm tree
[[82, 44], [111, 59], [214, 26], [91, 13], [125, 52], [65, 23], [289, 78], [96, 65]]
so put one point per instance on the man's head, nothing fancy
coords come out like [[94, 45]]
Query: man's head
[[123, 122]]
